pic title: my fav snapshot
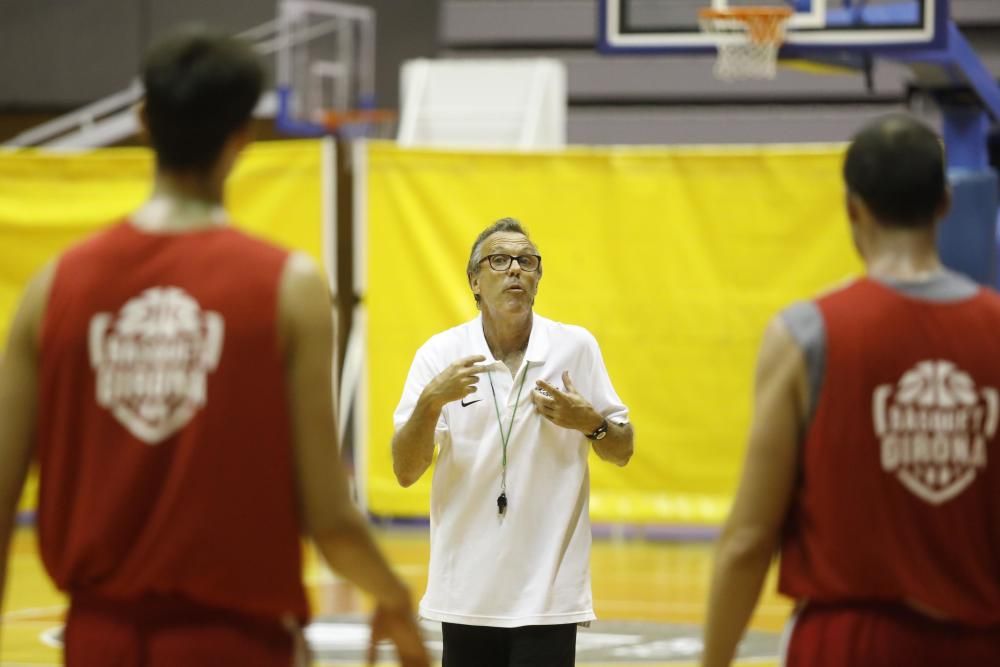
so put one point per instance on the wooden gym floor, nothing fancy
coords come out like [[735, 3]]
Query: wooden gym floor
[[652, 582]]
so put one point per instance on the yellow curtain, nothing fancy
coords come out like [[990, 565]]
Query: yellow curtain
[[48, 201], [675, 259]]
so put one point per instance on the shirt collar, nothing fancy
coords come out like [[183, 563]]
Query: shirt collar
[[538, 341]]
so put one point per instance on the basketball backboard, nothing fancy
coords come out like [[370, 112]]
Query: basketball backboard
[[870, 26]]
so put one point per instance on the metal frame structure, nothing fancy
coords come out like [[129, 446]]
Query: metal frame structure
[[943, 62], [301, 79], [298, 23]]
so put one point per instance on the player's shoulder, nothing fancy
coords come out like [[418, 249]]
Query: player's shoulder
[[252, 239], [253, 250], [563, 333], [841, 289], [459, 339], [989, 300], [989, 294], [802, 314], [100, 242], [304, 295], [300, 266], [105, 249], [36, 292]]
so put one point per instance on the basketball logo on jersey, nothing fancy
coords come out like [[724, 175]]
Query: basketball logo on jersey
[[152, 361], [934, 425]]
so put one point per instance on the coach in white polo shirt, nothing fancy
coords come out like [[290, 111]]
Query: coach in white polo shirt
[[514, 402]]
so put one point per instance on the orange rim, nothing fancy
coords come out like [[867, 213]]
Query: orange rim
[[336, 119], [764, 24], [744, 13]]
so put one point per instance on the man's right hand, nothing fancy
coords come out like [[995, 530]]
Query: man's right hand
[[398, 625], [413, 443], [455, 382]]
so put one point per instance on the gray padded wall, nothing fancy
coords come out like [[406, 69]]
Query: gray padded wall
[[60, 54], [56, 53]]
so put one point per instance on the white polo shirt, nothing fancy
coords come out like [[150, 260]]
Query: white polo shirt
[[530, 566]]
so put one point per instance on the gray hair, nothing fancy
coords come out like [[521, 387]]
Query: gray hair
[[476, 257]]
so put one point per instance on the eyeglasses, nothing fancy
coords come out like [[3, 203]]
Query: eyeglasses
[[502, 262]]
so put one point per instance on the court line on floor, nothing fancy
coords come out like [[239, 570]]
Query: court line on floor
[[678, 606], [33, 613]]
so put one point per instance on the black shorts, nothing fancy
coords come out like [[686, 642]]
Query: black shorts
[[527, 646]]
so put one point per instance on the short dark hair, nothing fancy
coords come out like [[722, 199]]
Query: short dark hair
[[201, 87], [475, 255], [896, 165], [993, 147]]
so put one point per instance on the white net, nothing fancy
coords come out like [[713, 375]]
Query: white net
[[741, 61], [748, 41]]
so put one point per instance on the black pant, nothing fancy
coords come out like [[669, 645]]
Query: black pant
[[527, 646]]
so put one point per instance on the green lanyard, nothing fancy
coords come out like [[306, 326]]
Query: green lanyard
[[505, 439]]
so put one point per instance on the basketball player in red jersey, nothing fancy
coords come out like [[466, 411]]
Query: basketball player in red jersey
[[172, 377], [870, 462]]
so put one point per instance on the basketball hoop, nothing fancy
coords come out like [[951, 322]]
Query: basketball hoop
[[357, 123], [748, 39]]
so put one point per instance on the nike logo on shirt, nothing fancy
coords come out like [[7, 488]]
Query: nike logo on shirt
[[465, 405]]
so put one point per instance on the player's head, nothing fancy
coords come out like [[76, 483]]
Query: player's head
[[201, 89], [895, 174], [504, 237]]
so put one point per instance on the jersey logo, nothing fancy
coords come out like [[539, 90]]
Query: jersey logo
[[934, 425], [152, 361]]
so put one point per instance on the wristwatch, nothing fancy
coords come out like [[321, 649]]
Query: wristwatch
[[600, 432]]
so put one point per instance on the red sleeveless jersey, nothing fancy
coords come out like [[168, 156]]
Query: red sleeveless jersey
[[164, 438], [899, 495]]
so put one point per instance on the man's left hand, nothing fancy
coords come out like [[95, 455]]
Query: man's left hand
[[565, 407]]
